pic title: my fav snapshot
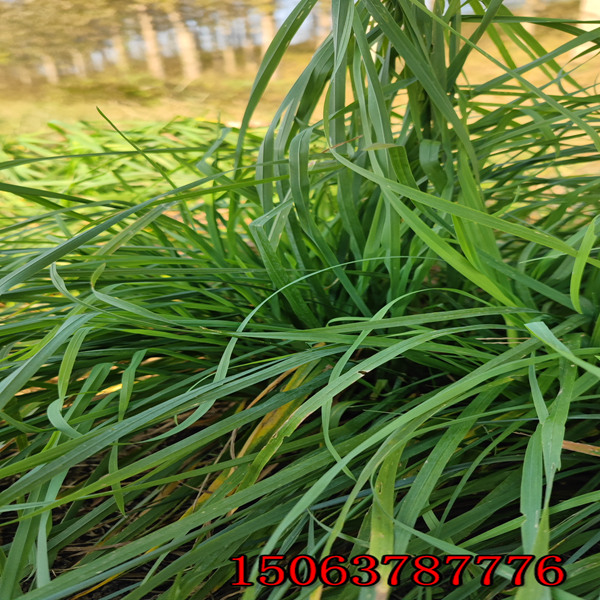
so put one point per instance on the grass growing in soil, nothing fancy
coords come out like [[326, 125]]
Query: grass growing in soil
[[369, 331]]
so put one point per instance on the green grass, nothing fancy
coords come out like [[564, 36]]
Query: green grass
[[373, 330]]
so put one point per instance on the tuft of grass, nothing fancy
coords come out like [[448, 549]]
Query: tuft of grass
[[371, 331]]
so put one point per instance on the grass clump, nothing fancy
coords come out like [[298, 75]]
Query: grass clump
[[375, 332]]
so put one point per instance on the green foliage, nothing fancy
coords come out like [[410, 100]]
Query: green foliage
[[371, 332]]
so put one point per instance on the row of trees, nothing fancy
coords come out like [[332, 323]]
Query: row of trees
[[184, 36]]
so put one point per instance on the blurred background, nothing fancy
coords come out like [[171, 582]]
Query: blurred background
[[59, 59]]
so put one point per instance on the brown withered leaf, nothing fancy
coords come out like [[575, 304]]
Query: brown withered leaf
[[583, 448]]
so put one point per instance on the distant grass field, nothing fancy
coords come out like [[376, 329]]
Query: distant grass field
[[373, 329]]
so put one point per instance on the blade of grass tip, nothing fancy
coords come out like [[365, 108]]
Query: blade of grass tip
[[154, 164], [66, 365], [126, 234], [80, 305], [536, 394], [540, 330], [56, 418], [580, 261], [130, 307], [19, 377]]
